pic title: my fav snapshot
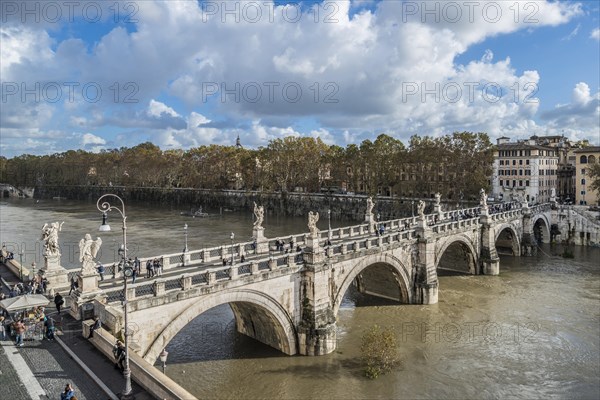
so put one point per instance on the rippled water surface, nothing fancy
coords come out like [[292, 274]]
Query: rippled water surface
[[531, 332]]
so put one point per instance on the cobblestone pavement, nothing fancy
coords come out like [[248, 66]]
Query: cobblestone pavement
[[52, 367], [10, 384]]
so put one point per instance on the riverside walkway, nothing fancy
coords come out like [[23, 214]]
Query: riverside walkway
[[41, 368]]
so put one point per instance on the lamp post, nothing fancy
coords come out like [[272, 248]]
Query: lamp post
[[412, 205], [232, 236], [104, 206], [163, 358], [33, 269], [185, 230], [21, 263], [329, 223]]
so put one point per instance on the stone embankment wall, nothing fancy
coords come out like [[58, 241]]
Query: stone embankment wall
[[577, 225], [11, 191], [213, 201]]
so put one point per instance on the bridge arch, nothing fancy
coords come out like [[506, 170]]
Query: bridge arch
[[467, 252], [508, 235], [274, 326], [541, 227], [401, 274]]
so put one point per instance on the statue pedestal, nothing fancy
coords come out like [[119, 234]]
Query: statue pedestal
[[262, 243], [313, 253], [437, 209], [82, 298], [370, 219], [57, 276], [87, 282]]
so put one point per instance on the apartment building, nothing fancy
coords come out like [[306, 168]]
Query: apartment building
[[584, 159], [524, 169]]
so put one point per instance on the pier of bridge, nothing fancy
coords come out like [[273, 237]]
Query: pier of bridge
[[290, 300]]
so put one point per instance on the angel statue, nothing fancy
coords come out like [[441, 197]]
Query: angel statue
[[370, 206], [259, 213], [482, 198], [438, 198], [88, 249], [312, 223], [50, 237], [421, 208]]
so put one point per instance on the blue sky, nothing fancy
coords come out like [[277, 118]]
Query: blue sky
[[184, 73]]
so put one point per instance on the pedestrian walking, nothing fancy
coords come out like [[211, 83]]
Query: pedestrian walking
[[2, 328], [101, 271], [73, 285], [68, 393], [157, 267], [58, 301], [149, 269], [119, 354], [97, 325], [20, 329], [49, 324], [137, 265]]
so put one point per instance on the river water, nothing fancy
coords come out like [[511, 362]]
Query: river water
[[531, 332]]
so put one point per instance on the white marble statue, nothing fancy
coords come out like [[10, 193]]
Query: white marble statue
[[88, 249], [438, 198], [50, 238], [370, 206], [259, 213], [313, 218], [482, 198], [421, 208]]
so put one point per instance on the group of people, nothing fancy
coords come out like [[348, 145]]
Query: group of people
[[153, 268], [32, 287], [20, 327], [282, 247]]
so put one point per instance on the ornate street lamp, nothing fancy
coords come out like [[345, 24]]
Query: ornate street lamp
[[232, 236], [104, 206], [329, 224], [185, 230], [21, 263], [163, 358]]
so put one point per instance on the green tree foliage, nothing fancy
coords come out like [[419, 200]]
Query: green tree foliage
[[379, 351], [453, 164]]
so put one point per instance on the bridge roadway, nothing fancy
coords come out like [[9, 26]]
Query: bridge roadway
[[290, 300]]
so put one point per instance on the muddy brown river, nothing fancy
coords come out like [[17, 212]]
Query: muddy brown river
[[531, 332]]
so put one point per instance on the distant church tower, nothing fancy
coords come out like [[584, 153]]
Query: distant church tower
[[238, 142]]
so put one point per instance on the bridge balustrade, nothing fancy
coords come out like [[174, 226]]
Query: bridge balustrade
[[173, 284], [144, 289]]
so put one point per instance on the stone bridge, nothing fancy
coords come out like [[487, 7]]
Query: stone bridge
[[290, 300]]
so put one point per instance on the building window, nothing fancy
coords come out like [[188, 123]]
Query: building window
[[582, 171], [583, 192], [526, 162], [520, 162], [514, 162], [583, 181], [591, 160], [520, 172], [520, 183], [583, 160], [501, 182], [526, 183], [501, 162]]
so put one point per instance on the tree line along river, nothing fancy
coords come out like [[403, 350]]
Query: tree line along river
[[531, 332]]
